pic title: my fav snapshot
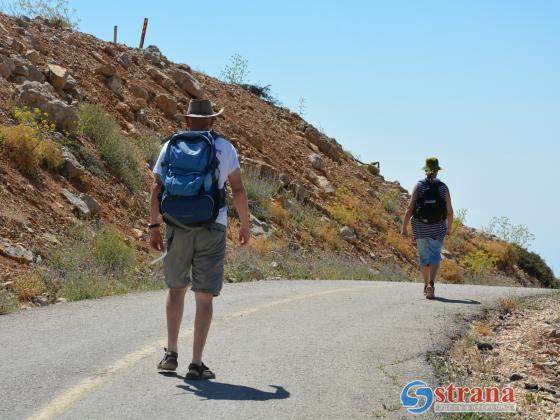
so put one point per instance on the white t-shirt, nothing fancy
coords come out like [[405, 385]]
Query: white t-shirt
[[227, 155]]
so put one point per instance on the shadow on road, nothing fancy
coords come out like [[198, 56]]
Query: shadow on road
[[464, 302], [211, 390]]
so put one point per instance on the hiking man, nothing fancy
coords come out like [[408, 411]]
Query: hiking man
[[431, 213], [189, 190]]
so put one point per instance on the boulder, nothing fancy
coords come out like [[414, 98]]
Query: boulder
[[58, 76], [35, 75], [300, 191], [71, 168], [187, 83], [33, 56], [161, 79], [106, 70], [138, 91], [347, 233], [17, 46], [373, 169], [16, 252], [167, 105], [92, 204], [114, 83], [79, 207], [326, 145], [124, 59], [153, 55], [42, 96], [316, 161], [325, 185], [21, 68], [7, 66], [137, 104]]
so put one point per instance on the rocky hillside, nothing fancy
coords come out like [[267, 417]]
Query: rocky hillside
[[308, 196]]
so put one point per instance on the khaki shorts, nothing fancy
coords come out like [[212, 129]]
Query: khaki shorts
[[196, 252]]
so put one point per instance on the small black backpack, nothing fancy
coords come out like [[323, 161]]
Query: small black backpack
[[430, 207]]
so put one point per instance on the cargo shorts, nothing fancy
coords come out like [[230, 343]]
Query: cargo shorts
[[195, 255]]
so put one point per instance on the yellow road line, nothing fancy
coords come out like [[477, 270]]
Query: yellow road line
[[65, 400]]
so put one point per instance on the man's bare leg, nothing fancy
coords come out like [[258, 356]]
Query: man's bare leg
[[174, 309], [433, 272], [425, 275], [202, 321]]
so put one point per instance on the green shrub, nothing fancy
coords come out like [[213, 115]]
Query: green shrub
[[91, 266], [148, 146], [535, 266], [117, 151], [390, 201], [236, 71], [480, 262], [259, 192], [8, 302], [505, 230], [84, 156], [57, 12]]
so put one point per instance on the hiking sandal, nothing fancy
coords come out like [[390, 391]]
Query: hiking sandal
[[169, 361], [429, 292], [199, 372]]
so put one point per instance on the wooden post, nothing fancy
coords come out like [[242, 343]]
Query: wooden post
[[143, 33], [115, 36]]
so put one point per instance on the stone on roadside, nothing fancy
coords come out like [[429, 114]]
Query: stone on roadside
[[92, 204], [7, 66], [347, 233], [124, 59], [71, 168], [516, 377], [33, 56], [114, 83], [187, 83], [316, 161], [106, 70], [138, 91], [16, 252], [79, 207]]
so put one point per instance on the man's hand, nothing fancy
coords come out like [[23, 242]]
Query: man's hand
[[244, 235], [156, 241]]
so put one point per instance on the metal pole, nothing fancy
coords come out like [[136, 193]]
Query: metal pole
[[143, 33], [115, 36]]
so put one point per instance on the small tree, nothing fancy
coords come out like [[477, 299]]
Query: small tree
[[301, 107], [55, 11], [236, 71], [508, 232]]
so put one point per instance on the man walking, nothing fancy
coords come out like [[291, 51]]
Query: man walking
[[431, 213], [189, 189]]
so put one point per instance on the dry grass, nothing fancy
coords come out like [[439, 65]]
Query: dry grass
[[21, 145], [328, 234], [451, 272], [401, 244], [279, 214], [508, 304], [482, 328], [28, 287], [506, 254], [18, 143]]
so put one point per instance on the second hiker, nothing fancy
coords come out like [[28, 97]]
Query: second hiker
[[431, 213]]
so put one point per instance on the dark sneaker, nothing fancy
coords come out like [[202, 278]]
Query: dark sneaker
[[169, 361], [198, 372]]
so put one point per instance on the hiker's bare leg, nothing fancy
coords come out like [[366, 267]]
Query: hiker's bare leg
[[433, 272], [202, 321], [425, 274], [174, 309]]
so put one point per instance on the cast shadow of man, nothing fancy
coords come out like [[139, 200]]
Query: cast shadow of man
[[212, 390], [464, 302]]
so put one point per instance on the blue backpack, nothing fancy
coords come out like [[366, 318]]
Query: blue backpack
[[191, 195]]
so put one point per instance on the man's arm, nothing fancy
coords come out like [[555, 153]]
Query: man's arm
[[409, 210], [241, 205], [156, 241], [449, 212]]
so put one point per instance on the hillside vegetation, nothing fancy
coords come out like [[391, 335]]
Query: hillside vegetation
[[81, 121]]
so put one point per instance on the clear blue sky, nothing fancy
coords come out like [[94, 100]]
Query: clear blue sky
[[472, 82]]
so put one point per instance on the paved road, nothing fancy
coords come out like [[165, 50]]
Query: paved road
[[280, 349]]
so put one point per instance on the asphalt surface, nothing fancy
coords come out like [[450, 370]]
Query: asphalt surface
[[280, 349]]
